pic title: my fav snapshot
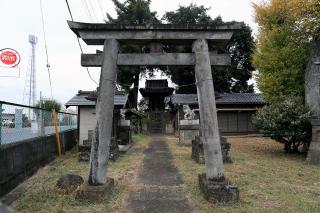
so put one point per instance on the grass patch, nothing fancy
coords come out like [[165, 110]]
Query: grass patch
[[269, 180], [42, 196]]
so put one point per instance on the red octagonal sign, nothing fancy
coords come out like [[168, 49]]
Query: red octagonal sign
[[9, 57]]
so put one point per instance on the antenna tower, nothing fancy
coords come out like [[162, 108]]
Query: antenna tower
[[29, 95]]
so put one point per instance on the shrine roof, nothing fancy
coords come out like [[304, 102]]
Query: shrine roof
[[80, 99], [230, 98]]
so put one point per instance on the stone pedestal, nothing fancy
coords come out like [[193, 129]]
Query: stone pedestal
[[221, 191], [226, 150], [114, 149], [314, 148], [197, 150], [95, 194], [169, 128], [84, 150], [125, 134], [198, 154], [188, 130]]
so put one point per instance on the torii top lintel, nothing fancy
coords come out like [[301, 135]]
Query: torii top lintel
[[96, 33]]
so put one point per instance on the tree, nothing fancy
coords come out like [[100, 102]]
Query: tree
[[286, 29], [132, 12], [49, 104], [240, 48], [286, 122]]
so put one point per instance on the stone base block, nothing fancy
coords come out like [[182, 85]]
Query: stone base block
[[84, 153], [197, 151], [218, 191], [186, 137], [188, 130], [314, 148], [125, 135], [314, 153], [95, 194], [226, 150], [114, 150]]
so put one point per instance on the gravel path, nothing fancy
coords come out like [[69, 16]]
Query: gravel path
[[159, 183]]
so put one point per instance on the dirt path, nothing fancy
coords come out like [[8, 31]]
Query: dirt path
[[160, 184]]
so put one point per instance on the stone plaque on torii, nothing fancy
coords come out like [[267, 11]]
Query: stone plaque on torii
[[201, 38]]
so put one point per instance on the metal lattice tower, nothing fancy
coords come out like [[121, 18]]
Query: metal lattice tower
[[29, 95]]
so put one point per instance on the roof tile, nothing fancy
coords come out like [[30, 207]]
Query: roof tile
[[230, 98], [120, 99]]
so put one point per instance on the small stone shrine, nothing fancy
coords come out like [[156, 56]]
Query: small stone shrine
[[155, 91], [125, 135], [188, 127]]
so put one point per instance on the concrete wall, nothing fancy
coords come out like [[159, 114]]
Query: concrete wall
[[87, 122], [21, 160]]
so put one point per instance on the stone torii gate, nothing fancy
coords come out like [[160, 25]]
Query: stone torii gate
[[201, 38]]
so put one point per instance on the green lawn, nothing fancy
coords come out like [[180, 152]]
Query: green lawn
[[269, 180], [42, 196]]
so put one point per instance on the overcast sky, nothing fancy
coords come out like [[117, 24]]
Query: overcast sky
[[21, 18]]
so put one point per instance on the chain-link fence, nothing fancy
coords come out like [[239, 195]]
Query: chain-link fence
[[20, 122]]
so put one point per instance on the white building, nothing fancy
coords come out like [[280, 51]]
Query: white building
[[87, 113]]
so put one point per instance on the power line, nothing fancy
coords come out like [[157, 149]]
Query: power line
[[100, 5], [80, 43], [92, 8], [84, 3], [46, 48]]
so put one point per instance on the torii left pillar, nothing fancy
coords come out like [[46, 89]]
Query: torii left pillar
[[99, 184]]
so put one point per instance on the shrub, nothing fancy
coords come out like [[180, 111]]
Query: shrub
[[287, 122]]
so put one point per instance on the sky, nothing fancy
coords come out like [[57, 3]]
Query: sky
[[20, 18]]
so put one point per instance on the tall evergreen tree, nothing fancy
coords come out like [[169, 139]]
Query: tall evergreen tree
[[240, 48], [132, 12]]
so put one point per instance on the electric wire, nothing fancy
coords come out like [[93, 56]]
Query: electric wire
[[46, 48], [85, 9], [92, 8], [88, 11], [101, 10], [80, 44]]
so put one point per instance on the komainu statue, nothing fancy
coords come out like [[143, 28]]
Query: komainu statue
[[188, 113]]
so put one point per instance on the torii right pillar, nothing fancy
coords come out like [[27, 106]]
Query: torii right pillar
[[212, 183], [312, 95]]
